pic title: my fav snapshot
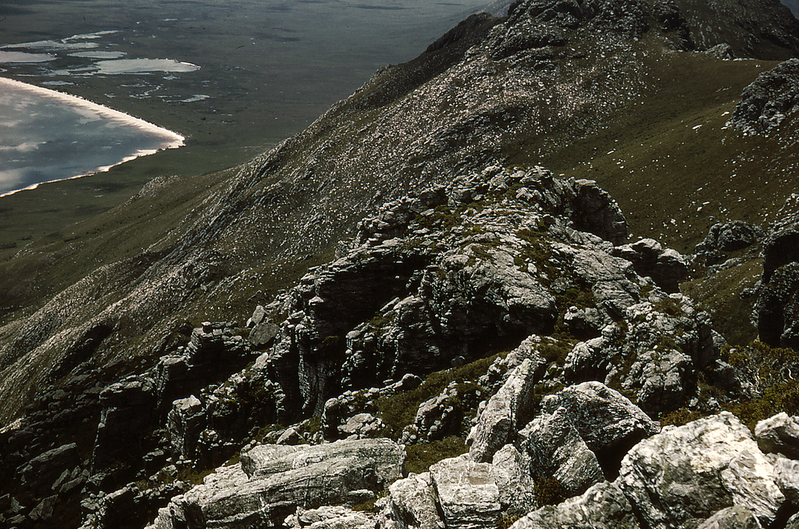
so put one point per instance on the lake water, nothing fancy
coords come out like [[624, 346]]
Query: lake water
[[47, 135], [230, 78]]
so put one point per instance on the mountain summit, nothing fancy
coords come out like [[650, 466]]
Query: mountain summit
[[501, 208]]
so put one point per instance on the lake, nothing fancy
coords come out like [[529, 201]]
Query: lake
[[230, 78], [47, 136]]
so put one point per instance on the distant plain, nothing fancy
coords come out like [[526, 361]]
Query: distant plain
[[267, 69]]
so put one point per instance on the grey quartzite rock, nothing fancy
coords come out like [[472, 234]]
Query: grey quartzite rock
[[769, 100], [504, 414], [556, 450], [271, 481], [682, 476], [467, 494], [411, 505], [735, 517], [603, 506], [779, 434]]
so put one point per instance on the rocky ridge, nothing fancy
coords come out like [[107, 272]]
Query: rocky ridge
[[495, 254]]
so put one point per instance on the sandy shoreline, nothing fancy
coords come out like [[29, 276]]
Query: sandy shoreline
[[175, 139]]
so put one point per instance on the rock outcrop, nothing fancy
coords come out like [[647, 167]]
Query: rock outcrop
[[468, 257], [777, 306], [684, 475], [270, 483], [769, 100]]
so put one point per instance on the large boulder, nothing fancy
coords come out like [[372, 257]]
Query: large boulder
[[786, 475], [660, 379], [411, 505], [682, 476], [505, 413], [556, 450], [604, 418], [272, 481], [603, 506], [511, 472], [467, 494], [779, 434]]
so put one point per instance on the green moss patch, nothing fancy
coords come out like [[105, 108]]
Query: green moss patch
[[421, 456]]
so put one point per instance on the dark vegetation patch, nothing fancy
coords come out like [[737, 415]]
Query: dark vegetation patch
[[721, 295], [421, 456], [549, 491], [399, 411]]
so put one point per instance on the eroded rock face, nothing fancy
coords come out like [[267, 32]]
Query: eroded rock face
[[727, 237], [431, 280], [603, 506], [42, 471], [271, 481], [664, 265], [776, 310], [684, 475], [653, 355], [468, 496], [504, 414]]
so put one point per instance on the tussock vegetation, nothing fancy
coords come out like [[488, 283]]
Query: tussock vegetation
[[399, 411]]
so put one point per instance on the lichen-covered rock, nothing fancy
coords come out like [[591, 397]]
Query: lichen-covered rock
[[603, 506], [786, 475], [505, 413], [411, 505], [361, 426], [556, 450], [727, 237], [779, 434], [271, 481], [604, 418], [665, 266], [511, 472], [661, 379], [335, 517], [684, 475], [735, 517], [769, 100], [439, 416], [467, 494], [128, 409]]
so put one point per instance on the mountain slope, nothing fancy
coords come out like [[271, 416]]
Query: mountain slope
[[558, 84]]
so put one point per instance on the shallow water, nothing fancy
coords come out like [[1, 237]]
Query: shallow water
[[47, 136]]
